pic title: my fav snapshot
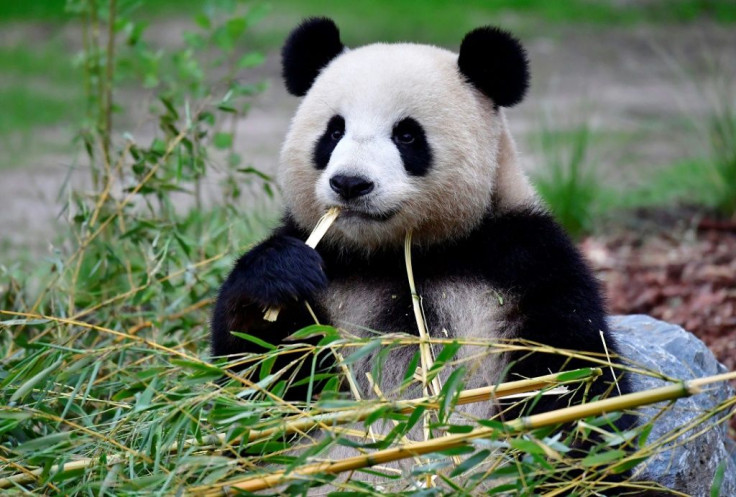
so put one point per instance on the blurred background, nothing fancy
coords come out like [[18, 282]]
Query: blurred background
[[173, 107]]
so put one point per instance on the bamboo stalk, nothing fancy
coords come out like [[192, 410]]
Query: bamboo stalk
[[31, 475], [608, 356], [425, 351], [324, 223], [559, 416], [300, 424], [379, 394]]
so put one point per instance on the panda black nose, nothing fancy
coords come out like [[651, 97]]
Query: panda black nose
[[349, 187]]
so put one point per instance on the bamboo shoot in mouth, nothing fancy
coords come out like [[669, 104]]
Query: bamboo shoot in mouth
[[324, 223]]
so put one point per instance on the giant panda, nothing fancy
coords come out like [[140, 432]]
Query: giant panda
[[407, 137]]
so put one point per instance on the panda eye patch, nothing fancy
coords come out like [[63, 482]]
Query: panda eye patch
[[405, 138], [336, 128], [326, 143], [406, 131], [411, 141]]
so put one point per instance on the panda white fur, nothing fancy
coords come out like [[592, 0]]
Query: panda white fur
[[413, 137]]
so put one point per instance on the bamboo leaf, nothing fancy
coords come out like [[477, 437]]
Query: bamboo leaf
[[194, 366], [432, 467], [362, 352], [627, 464], [576, 374], [250, 60], [450, 391], [223, 140], [23, 322], [255, 340], [457, 451], [35, 380], [715, 488], [15, 415], [526, 446], [266, 366], [470, 462], [312, 331], [644, 434], [411, 369], [46, 442], [445, 355], [603, 458]]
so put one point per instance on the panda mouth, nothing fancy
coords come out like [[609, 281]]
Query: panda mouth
[[352, 213]]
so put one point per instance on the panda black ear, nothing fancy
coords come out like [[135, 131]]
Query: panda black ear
[[309, 48], [496, 63]]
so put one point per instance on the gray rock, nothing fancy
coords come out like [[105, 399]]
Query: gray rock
[[689, 466]]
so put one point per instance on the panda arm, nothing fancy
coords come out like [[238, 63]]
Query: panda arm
[[559, 302], [280, 271]]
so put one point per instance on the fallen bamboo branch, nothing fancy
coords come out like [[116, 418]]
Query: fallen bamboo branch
[[79, 464], [324, 223], [301, 424], [559, 416]]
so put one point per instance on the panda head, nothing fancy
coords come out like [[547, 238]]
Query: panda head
[[400, 136]]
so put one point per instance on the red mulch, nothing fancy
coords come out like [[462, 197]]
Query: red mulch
[[683, 274]]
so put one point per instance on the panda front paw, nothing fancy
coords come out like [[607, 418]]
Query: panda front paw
[[280, 270]]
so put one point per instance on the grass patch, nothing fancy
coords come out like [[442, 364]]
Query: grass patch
[[43, 60], [721, 129], [694, 181], [708, 178], [435, 17], [568, 182], [689, 182], [55, 10], [40, 89], [444, 22], [26, 108]]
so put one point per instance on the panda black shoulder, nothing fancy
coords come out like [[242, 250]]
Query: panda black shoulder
[[535, 247], [559, 303], [525, 253], [528, 252]]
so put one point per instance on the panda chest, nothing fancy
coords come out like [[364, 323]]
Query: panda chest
[[452, 307]]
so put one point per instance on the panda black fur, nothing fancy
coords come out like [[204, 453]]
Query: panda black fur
[[413, 137]]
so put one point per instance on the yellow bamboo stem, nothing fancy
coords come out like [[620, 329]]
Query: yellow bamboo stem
[[425, 352], [560, 416], [324, 223], [300, 424], [31, 475]]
